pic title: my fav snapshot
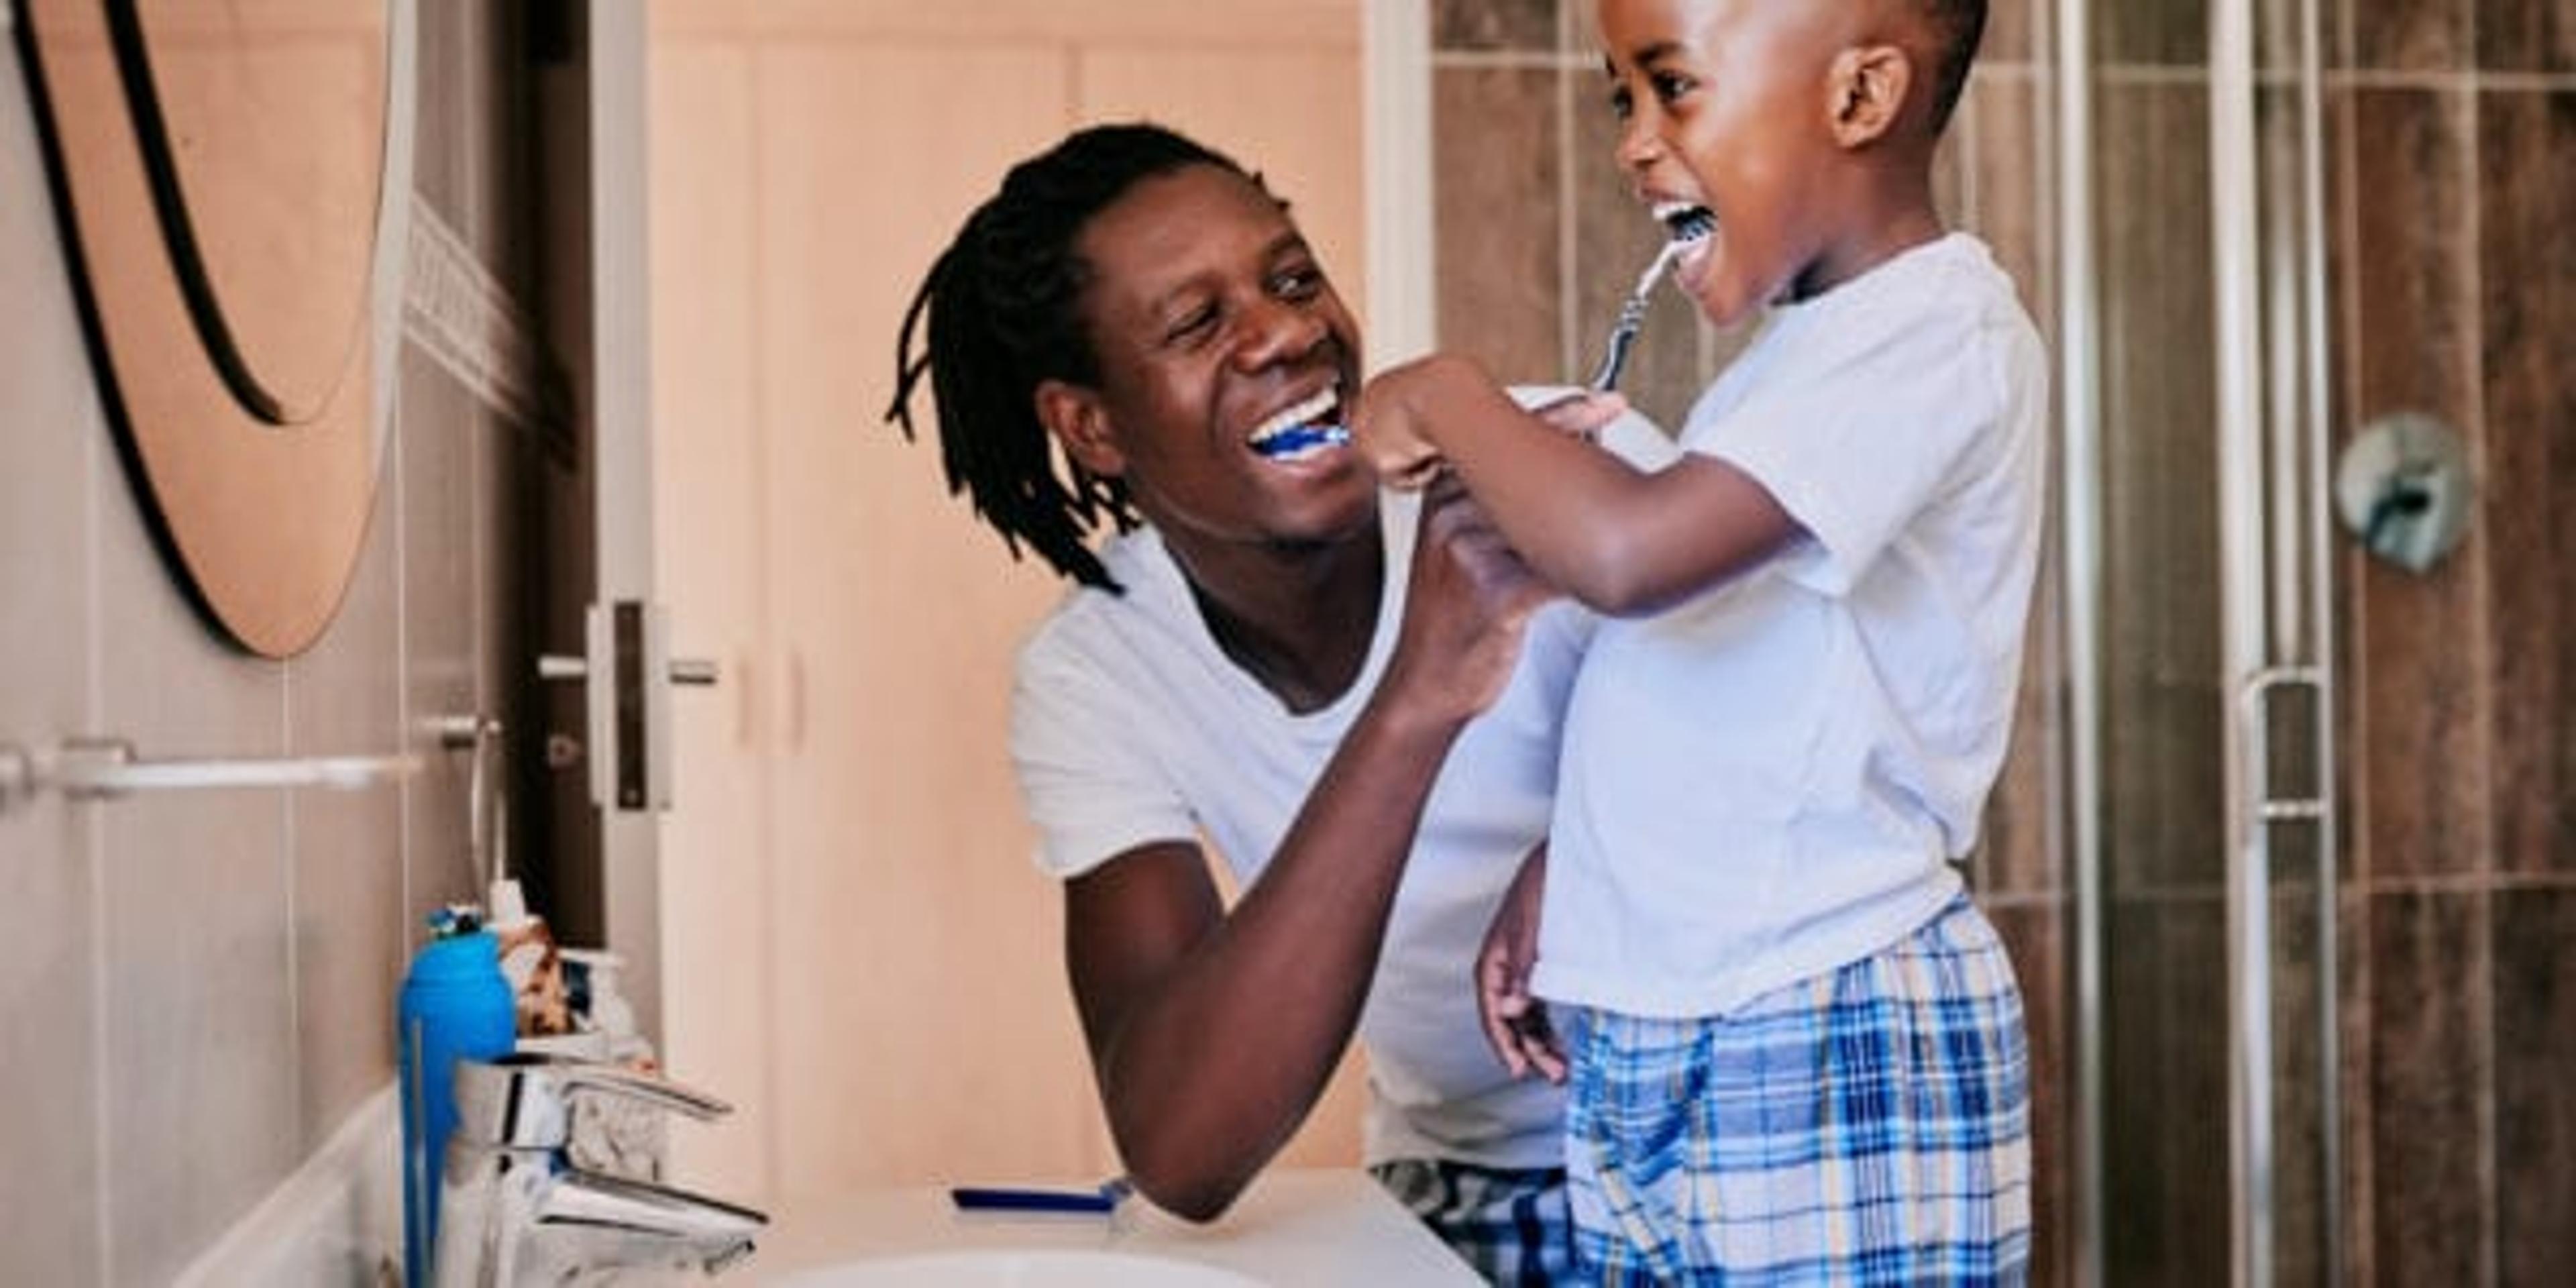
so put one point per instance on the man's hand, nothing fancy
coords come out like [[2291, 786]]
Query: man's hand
[[1516, 1023], [1470, 599]]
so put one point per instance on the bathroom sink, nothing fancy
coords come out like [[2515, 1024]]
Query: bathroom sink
[[1019, 1268], [1328, 1228]]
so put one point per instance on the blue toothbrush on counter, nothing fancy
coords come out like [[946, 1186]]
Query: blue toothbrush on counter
[[987, 1198]]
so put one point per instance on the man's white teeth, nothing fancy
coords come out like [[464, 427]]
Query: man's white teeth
[[1302, 413]]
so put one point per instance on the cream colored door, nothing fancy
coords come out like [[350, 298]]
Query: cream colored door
[[855, 946]]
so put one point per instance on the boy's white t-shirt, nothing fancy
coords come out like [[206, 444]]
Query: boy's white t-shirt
[[1768, 781], [1130, 726]]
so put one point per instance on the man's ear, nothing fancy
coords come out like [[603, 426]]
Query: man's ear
[[1869, 85], [1080, 425]]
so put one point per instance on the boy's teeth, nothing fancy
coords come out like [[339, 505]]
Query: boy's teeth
[[1684, 220]]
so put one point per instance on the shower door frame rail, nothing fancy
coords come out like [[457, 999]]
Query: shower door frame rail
[[2276, 605], [2276, 600]]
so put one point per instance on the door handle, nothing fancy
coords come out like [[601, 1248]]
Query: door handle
[[629, 718]]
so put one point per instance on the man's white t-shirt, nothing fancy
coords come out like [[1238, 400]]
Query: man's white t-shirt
[[1130, 725], [1768, 781]]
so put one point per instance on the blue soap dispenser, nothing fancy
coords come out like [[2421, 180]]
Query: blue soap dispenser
[[456, 1005]]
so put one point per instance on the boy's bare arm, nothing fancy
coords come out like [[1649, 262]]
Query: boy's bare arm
[[1623, 541]]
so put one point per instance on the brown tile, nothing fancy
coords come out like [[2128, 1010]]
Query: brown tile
[[2353, 1003], [2004, 165], [2165, 1208], [2036, 936], [2419, 774], [2412, 259], [2526, 35], [2426, 1081], [1496, 179], [1950, 169], [2172, 33], [2410, 35], [2020, 849], [2535, 1044], [2301, 987], [2527, 169], [2162, 779], [1495, 24], [2009, 37]]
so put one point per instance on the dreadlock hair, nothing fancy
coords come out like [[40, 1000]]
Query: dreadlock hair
[[1002, 305], [1956, 26]]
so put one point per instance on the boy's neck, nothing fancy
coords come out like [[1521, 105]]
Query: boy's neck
[[1887, 208]]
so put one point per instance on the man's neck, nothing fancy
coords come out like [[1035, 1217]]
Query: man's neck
[[1299, 620]]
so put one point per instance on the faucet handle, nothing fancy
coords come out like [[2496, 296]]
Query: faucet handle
[[524, 1100]]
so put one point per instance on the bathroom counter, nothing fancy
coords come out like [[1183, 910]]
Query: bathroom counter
[[1328, 1227]]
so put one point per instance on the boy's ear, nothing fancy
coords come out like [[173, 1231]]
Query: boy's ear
[[1080, 425], [1869, 85]]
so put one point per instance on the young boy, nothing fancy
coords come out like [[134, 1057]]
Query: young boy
[[1796, 1047]]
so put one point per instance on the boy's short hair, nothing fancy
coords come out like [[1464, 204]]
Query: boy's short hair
[[1955, 27]]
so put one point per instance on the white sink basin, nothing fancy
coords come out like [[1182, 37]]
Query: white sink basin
[[1292, 1229], [1014, 1269]]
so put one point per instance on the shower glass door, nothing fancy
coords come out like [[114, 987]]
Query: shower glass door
[[2201, 802]]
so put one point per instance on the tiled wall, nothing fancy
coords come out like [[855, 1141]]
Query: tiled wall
[[2452, 161], [2455, 135], [198, 988]]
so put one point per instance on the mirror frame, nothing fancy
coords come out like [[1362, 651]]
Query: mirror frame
[[262, 521]]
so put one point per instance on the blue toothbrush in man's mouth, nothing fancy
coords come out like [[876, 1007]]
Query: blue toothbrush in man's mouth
[[1298, 438], [1304, 426]]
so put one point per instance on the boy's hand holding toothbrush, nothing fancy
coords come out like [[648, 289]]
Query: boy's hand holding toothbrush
[[1403, 414]]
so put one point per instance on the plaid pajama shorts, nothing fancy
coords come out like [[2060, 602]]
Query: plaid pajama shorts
[[1868, 1126], [1510, 1224]]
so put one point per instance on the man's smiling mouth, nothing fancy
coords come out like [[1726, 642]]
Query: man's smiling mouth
[[1302, 429]]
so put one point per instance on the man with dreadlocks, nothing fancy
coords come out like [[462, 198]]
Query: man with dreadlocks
[[1351, 692]]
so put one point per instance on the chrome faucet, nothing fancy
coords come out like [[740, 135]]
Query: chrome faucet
[[514, 1209]]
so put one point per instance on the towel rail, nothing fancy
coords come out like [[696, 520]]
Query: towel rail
[[109, 768]]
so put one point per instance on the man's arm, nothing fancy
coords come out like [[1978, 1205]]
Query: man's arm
[[1213, 1035]]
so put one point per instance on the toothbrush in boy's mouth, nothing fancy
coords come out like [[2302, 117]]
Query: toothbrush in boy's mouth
[[1301, 429], [1690, 225]]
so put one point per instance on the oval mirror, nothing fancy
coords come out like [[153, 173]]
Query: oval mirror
[[236, 179]]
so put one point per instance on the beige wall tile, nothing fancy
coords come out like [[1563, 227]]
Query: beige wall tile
[[201, 1072], [436, 428], [345, 699], [54, 458]]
